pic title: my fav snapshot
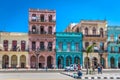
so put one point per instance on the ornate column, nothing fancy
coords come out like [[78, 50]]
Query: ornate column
[[0, 61], [73, 59], [27, 61], [18, 61], [45, 61], [9, 61], [64, 61], [116, 62]]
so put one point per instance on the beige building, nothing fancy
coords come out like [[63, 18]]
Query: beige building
[[94, 31], [14, 50]]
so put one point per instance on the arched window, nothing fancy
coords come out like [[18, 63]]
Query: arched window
[[33, 45], [86, 44], [23, 44], [86, 31], [101, 32], [50, 18], [33, 29], [33, 17], [5, 45], [42, 47], [94, 31], [42, 18], [60, 46], [77, 30], [49, 46], [50, 30], [42, 30], [14, 45]]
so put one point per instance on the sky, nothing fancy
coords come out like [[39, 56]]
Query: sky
[[14, 13]]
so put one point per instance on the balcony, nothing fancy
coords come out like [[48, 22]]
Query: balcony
[[94, 37], [38, 21], [91, 35]]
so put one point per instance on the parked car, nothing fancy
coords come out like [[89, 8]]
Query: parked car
[[72, 67]]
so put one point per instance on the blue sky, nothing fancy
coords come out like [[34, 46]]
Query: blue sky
[[14, 13]]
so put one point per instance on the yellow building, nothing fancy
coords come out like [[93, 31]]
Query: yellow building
[[14, 50], [94, 31]]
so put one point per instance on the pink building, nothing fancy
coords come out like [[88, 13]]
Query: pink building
[[42, 27]]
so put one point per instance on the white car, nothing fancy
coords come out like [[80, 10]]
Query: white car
[[72, 67]]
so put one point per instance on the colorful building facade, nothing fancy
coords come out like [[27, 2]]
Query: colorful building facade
[[14, 50], [68, 49], [114, 46], [42, 28], [94, 31]]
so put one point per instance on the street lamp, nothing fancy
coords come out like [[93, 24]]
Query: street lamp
[[37, 54]]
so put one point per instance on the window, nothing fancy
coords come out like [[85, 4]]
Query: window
[[68, 47], [14, 45], [33, 17], [101, 32], [50, 18], [101, 45], [33, 29], [119, 49], [23, 44], [33, 45], [60, 46], [50, 30], [112, 37], [77, 46], [49, 46], [42, 30], [77, 30], [42, 46], [42, 18], [86, 44], [86, 31], [112, 49], [94, 31], [5, 45]]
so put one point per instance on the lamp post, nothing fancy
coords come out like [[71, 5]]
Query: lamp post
[[37, 54]]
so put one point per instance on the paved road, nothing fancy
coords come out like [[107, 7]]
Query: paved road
[[34, 76]]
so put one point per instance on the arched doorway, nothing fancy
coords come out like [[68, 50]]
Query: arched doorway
[[33, 62], [119, 62], [60, 62], [14, 61], [5, 61], [68, 61], [77, 60], [49, 62], [112, 62], [95, 62], [41, 62], [87, 62], [23, 61]]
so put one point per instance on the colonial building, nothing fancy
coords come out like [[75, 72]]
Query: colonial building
[[14, 50], [42, 27], [114, 46], [94, 31], [68, 49]]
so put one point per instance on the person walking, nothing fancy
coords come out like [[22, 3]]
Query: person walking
[[99, 69]]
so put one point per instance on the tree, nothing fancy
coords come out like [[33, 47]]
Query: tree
[[89, 50]]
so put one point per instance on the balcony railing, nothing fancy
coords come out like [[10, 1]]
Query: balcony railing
[[37, 32], [39, 20], [91, 35]]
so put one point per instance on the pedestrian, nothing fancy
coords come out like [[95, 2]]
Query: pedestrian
[[79, 73], [99, 69]]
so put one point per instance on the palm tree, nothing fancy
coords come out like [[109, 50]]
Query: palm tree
[[89, 50]]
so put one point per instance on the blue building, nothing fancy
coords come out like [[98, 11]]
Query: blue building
[[68, 49], [114, 46]]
